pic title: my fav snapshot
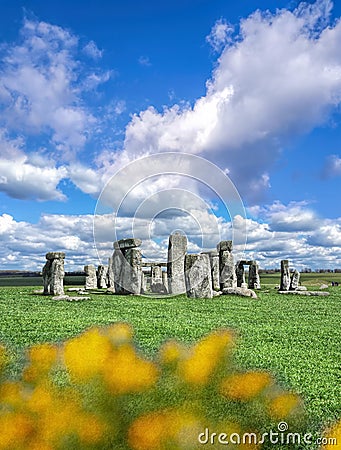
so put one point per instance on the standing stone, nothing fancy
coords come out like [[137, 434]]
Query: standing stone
[[285, 275], [240, 273], [118, 262], [214, 261], [53, 273], [156, 284], [177, 248], [254, 280], [165, 280], [90, 277], [110, 273], [295, 280], [143, 283], [102, 276], [198, 276], [227, 274], [131, 271]]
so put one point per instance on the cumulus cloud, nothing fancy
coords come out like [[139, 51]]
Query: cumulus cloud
[[279, 77], [220, 35], [92, 50]]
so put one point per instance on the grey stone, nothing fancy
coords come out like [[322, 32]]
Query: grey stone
[[124, 244], [102, 276], [285, 275], [295, 280], [301, 288], [254, 280], [110, 273], [224, 246], [90, 277], [53, 273], [118, 263], [216, 293], [131, 274], [157, 285], [324, 286], [227, 271], [177, 248], [165, 278], [308, 293], [55, 255], [214, 261], [198, 276], [245, 292], [240, 274]]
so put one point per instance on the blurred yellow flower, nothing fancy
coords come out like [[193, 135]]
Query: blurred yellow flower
[[245, 386], [334, 437], [205, 356], [86, 355], [120, 333], [283, 405], [15, 429], [171, 352], [127, 372]]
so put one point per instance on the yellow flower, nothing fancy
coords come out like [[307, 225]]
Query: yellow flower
[[333, 435], [171, 352], [15, 430], [41, 400], [11, 393], [90, 429], [245, 386], [205, 357], [42, 357], [127, 372], [120, 333], [283, 405], [159, 430], [86, 355]]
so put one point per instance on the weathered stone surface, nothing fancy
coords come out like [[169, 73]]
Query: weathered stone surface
[[165, 279], [102, 276], [245, 292], [227, 271], [214, 262], [216, 293], [131, 275], [295, 280], [240, 273], [254, 280], [110, 273], [55, 255], [69, 298], [157, 285], [224, 246], [118, 263], [177, 248], [198, 276], [311, 293], [285, 275], [124, 244], [324, 286], [53, 273], [90, 277], [301, 288]]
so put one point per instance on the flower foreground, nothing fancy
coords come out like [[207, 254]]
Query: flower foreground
[[96, 391]]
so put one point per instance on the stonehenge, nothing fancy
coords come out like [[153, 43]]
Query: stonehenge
[[205, 275], [53, 273], [285, 276]]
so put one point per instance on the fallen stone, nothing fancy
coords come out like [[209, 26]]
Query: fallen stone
[[245, 292], [60, 297], [301, 288], [311, 293], [69, 298], [216, 293], [73, 289], [111, 290], [123, 244], [324, 286], [38, 291]]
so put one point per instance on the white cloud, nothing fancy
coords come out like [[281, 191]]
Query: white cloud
[[144, 61], [220, 35], [280, 77], [92, 50]]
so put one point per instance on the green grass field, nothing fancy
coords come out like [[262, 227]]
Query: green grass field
[[296, 338]]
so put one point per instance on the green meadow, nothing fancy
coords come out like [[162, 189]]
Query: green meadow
[[296, 338]]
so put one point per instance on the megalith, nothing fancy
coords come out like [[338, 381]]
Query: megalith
[[53, 273], [198, 276], [254, 280], [90, 277], [295, 280], [126, 266], [227, 274], [240, 274], [102, 272], [177, 248], [214, 262], [285, 276]]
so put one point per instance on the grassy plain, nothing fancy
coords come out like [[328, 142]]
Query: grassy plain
[[296, 338]]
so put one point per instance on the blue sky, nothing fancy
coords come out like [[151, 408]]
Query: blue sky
[[87, 88]]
